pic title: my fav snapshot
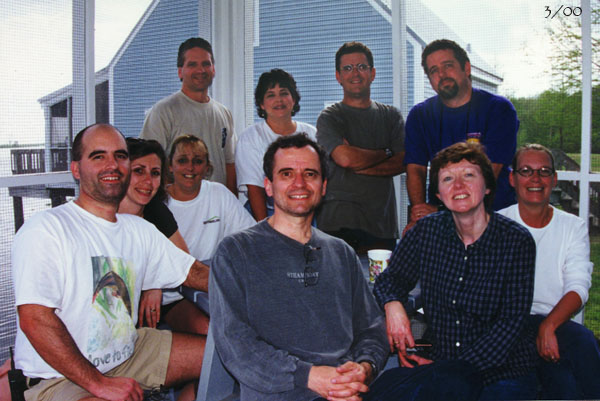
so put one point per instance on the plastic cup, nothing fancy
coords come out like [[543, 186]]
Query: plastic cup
[[378, 261]]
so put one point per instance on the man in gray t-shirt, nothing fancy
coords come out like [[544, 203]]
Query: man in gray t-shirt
[[191, 111], [365, 142]]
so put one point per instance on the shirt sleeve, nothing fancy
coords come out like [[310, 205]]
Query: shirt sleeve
[[491, 349], [231, 140], [251, 360], [157, 213], [38, 261], [500, 137], [167, 265], [249, 159], [330, 130], [402, 274], [578, 267], [157, 126], [415, 139], [237, 216], [370, 340], [397, 132]]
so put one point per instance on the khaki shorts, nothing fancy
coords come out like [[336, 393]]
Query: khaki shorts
[[147, 365]]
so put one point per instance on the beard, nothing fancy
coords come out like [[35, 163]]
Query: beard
[[447, 91], [112, 194]]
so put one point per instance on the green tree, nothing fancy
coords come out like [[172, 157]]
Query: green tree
[[566, 59], [553, 118]]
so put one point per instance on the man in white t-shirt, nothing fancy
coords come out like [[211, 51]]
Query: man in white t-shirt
[[192, 111], [569, 353], [78, 272]]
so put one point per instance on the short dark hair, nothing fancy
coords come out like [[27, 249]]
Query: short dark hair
[[143, 147], [299, 141], [473, 153], [353, 47], [77, 147], [535, 147], [189, 139], [267, 81], [190, 44], [444, 44]]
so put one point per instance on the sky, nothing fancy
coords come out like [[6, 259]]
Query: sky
[[509, 34], [35, 51], [35, 55]]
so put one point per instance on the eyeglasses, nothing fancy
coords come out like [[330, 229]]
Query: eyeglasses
[[348, 68], [311, 275], [528, 171]]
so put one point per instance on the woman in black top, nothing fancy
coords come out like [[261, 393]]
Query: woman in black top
[[144, 198]]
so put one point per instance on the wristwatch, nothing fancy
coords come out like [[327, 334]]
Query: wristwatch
[[373, 368], [388, 152]]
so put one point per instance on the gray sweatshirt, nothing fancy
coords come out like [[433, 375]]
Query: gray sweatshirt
[[272, 324]]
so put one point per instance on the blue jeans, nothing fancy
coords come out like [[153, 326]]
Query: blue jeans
[[441, 380], [576, 375], [520, 388]]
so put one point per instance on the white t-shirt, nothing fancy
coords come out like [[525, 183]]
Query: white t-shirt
[[92, 271], [178, 115], [205, 220], [562, 262], [251, 148]]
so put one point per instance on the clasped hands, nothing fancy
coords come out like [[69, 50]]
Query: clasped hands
[[346, 382]]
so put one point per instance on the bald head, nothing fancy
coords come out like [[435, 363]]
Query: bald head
[[77, 148], [102, 168]]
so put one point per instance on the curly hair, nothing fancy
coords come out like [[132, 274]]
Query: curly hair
[[267, 81]]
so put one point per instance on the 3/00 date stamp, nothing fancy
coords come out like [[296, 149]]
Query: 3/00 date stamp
[[567, 11]]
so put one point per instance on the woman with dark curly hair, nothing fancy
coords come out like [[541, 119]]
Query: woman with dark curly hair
[[277, 100]]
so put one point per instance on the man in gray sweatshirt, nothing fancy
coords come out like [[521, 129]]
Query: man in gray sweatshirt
[[292, 315]]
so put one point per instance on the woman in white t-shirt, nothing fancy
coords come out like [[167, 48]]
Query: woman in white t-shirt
[[277, 100], [205, 211]]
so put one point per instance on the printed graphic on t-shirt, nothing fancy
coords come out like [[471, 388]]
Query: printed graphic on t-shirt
[[223, 136], [214, 219], [111, 333]]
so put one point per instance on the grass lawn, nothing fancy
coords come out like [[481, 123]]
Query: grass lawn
[[595, 160], [592, 308]]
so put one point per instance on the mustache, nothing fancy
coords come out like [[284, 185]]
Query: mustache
[[448, 80], [111, 172]]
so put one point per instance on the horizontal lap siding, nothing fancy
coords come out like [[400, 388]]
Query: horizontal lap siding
[[302, 38], [147, 71]]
